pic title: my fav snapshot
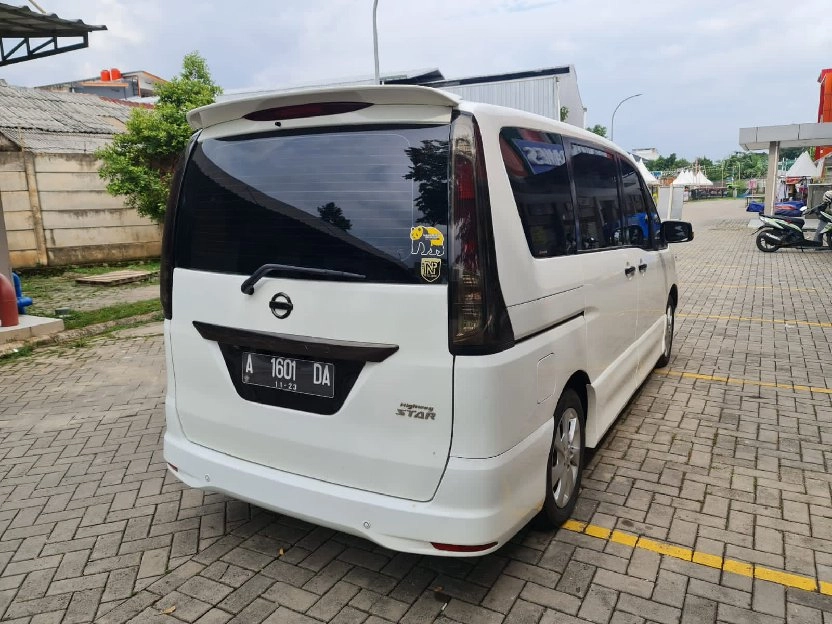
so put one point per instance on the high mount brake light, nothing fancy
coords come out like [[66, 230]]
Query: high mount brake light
[[302, 111], [479, 321]]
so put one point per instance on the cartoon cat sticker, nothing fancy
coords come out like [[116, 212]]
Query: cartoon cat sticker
[[426, 241]]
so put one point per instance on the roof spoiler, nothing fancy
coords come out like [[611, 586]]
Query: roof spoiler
[[213, 114]]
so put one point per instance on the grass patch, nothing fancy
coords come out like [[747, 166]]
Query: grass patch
[[98, 269], [111, 313], [16, 355]]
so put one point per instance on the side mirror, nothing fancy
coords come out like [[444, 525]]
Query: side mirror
[[677, 231]]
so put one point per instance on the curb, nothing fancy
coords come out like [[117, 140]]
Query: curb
[[69, 335]]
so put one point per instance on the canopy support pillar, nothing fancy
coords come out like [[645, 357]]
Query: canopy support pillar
[[771, 178]]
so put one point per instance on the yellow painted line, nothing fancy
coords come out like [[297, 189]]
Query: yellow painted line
[[619, 537], [677, 552], [742, 382], [741, 568], [786, 579], [738, 567], [747, 286], [712, 561], [596, 531], [718, 317]]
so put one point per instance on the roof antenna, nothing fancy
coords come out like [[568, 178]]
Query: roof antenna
[[35, 4]]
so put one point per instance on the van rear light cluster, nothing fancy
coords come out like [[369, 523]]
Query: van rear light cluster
[[479, 321], [302, 111]]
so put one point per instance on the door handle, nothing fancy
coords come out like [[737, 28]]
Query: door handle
[[630, 271], [642, 268]]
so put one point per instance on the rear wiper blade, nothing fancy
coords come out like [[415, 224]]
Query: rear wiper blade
[[247, 287]]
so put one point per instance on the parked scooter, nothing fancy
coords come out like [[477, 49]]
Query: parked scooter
[[778, 232]]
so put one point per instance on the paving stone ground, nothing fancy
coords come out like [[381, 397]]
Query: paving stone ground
[[93, 528]]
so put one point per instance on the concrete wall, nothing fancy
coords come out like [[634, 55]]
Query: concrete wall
[[57, 212]]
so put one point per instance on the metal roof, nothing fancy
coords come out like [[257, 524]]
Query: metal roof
[[19, 25], [521, 75], [58, 122]]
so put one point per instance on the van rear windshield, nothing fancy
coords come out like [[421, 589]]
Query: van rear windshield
[[371, 201]]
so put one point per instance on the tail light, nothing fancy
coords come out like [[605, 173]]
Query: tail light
[[168, 262], [479, 321]]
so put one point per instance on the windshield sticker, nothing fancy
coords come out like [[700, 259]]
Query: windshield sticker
[[431, 269], [426, 241], [583, 149], [541, 157]]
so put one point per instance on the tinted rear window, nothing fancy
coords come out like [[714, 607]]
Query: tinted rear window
[[371, 201]]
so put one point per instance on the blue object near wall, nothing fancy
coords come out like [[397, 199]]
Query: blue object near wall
[[22, 302]]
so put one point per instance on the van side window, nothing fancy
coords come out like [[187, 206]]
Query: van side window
[[655, 222], [536, 166], [637, 230], [596, 190]]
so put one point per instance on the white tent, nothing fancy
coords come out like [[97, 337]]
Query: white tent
[[700, 179], [691, 178], [803, 167], [685, 178], [648, 177]]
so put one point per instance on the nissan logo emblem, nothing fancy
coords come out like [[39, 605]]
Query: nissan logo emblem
[[281, 306]]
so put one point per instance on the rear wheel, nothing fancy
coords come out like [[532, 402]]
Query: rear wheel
[[566, 462], [765, 245], [667, 343]]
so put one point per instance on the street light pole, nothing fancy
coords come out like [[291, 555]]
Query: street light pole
[[612, 124], [375, 39]]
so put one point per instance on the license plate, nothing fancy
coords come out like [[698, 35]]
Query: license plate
[[289, 374]]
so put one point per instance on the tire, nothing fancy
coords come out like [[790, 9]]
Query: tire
[[763, 245], [566, 462], [667, 343]]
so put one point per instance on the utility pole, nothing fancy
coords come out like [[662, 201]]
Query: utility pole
[[375, 39], [612, 124]]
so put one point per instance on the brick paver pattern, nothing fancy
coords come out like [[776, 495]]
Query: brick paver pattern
[[93, 527]]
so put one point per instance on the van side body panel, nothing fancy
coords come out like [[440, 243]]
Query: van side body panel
[[589, 288]]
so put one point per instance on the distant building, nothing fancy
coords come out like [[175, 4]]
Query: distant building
[[55, 207], [112, 83], [646, 153]]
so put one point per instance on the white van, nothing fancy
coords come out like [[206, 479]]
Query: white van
[[402, 315]]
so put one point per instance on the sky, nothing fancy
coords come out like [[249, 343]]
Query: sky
[[705, 67]]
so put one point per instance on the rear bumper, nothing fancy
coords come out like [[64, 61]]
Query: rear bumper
[[479, 501]]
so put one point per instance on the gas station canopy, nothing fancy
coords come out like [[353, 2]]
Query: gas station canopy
[[772, 138], [792, 135], [27, 35]]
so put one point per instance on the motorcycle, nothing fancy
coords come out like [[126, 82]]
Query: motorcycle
[[778, 232]]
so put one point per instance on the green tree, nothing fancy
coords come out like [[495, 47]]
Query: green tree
[[668, 164], [599, 130], [564, 113], [429, 167], [744, 165], [139, 163], [333, 215]]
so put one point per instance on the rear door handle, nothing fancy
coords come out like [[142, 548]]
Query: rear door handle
[[642, 268], [630, 271]]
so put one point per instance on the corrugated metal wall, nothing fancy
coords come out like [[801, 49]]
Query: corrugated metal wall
[[534, 95]]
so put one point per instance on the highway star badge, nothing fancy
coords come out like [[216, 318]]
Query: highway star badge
[[431, 268]]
